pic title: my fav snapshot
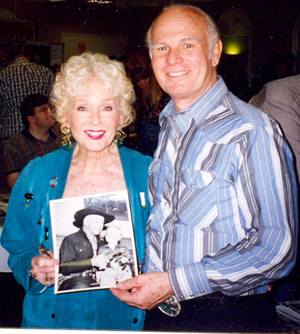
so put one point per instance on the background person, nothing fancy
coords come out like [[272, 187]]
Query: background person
[[18, 80], [150, 102], [223, 189], [93, 100], [280, 99], [38, 138]]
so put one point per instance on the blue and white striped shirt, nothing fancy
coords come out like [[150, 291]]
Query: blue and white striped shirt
[[224, 198]]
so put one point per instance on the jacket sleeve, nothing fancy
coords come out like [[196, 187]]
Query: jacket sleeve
[[21, 231]]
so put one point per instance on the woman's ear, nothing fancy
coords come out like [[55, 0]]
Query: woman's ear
[[64, 123], [122, 119]]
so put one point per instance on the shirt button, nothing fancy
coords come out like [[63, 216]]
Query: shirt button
[[53, 315], [202, 291]]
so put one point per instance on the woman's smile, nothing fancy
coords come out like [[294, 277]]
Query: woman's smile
[[95, 134]]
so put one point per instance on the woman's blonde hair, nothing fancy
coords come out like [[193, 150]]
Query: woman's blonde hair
[[76, 73]]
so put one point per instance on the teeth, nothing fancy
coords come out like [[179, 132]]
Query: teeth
[[177, 74], [94, 132]]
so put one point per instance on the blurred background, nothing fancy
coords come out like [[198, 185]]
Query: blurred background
[[261, 37]]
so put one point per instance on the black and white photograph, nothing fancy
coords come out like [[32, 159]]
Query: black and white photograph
[[94, 241]]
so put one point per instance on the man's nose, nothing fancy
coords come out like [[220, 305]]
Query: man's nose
[[174, 56]]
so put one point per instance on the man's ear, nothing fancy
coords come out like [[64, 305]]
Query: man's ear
[[216, 53], [31, 119], [150, 54]]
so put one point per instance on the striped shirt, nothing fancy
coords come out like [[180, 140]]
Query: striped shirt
[[224, 194], [17, 81]]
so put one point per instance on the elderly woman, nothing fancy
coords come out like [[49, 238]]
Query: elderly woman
[[93, 102]]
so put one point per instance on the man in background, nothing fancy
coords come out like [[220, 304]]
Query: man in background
[[18, 80], [280, 99], [38, 138]]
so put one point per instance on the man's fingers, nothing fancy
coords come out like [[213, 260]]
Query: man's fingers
[[121, 294], [129, 284], [129, 297]]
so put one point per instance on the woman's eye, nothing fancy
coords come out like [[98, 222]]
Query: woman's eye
[[81, 108], [188, 45], [108, 108]]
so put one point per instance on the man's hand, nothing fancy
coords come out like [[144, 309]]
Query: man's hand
[[144, 291]]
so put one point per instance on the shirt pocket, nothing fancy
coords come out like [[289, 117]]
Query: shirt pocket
[[154, 172], [195, 179]]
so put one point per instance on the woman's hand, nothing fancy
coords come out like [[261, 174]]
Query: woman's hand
[[43, 269]]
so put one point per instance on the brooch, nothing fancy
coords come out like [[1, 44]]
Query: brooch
[[28, 197], [53, 182]]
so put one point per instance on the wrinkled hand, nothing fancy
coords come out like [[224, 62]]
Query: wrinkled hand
[[43, 269], [144, 291], [100, 261]]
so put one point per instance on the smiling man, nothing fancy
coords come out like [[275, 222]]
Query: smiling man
[[223, 189]]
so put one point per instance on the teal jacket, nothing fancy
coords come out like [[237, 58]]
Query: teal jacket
[[23, 230]]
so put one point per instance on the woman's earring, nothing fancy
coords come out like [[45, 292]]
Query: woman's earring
[[66, 139], [119, 137]]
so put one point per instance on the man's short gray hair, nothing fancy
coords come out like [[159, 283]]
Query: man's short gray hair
[[213, 34]]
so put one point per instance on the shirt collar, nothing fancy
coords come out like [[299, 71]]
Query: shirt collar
[[52, 135], [20, 60], [205, 102]]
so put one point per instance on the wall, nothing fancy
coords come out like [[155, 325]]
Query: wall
[[272, 22]]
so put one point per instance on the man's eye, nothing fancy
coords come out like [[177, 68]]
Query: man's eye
[[188, 45], [81, 108], [161, 48], [108, 108]]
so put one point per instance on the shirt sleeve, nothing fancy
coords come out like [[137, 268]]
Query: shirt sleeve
[[13, 158], [266, 203]]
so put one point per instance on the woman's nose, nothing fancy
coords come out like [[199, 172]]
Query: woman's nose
[[95, 117]]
